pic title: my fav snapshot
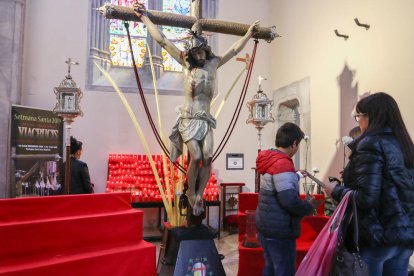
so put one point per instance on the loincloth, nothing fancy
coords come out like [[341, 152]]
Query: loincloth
[[188, 128]]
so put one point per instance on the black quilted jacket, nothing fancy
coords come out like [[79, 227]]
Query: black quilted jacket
[[80, 182], [385, 191]]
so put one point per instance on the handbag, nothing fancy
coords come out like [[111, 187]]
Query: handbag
[[347, 260], [317, 261]]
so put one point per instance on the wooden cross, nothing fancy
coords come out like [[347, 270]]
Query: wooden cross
[[184, 21], [246, 60]]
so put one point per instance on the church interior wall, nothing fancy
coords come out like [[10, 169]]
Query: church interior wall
[[341, 71], [378, 59], [56, 30]]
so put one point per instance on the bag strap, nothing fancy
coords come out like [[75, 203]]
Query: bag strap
[[339, 213], [355, 220], [349, 221]]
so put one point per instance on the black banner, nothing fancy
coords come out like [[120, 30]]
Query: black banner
[[37, 147]]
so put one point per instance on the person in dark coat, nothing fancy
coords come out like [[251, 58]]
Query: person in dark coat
[[280, 207], [80, 181], [381, 172]]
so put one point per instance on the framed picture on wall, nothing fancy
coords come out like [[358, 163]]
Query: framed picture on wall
[[234, 161]]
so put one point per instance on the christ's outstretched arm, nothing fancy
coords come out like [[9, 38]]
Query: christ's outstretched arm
[[239, 45], [157, 35]]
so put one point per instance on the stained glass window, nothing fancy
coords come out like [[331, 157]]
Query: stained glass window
[[108, 46], [174, 34], [119, 45], [119, 48]]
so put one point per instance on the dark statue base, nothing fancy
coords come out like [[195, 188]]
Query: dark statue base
[[198, 257], [170, 245]]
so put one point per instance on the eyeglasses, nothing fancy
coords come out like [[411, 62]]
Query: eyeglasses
[[359, 115]]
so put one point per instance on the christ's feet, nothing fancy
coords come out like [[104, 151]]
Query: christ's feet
[[198, 207]]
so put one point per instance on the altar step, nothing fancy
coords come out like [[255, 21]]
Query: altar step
[[97, 234], [136, 258], [42, 236], [48, 207]]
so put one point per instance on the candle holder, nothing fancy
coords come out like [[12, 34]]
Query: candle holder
[[250, 237]]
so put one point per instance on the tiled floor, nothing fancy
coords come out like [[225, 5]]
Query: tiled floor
[[228, 246]]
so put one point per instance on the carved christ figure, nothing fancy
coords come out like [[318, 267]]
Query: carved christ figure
[[195, 123]]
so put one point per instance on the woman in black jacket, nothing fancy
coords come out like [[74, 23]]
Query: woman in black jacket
[[380, 170], [80, 181]]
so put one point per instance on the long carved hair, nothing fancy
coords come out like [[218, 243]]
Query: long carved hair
[[192, 61], [197, 42]]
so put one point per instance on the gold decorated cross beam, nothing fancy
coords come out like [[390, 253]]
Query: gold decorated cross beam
[[184, 21]]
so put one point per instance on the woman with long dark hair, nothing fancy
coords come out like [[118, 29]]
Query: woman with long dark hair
[[381, 172]]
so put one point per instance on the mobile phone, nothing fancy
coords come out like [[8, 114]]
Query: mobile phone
[[317, 181], [333, 179]]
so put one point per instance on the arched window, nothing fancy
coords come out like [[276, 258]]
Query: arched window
[[110, 49], [118, 40], [173, 33]]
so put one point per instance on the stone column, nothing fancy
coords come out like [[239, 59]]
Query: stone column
[[154, 47], [11, 54], [99, 42]]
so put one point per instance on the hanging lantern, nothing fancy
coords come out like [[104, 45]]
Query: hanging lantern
[[68, 95], [260, 113], [260, 108]]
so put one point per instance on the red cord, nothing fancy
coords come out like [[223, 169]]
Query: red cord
[[141, 92], [238, 108], [233, 121]]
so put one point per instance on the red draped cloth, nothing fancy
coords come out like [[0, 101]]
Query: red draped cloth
[[94, 234]]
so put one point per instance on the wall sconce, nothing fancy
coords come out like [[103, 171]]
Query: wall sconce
[[366, 26], [341, 35]]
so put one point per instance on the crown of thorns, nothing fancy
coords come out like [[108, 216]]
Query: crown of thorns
[[196, 41]]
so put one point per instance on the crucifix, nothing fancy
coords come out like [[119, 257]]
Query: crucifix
[[194, 124], [184, 21], [70, 62], [260, 78], [246, 60]]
